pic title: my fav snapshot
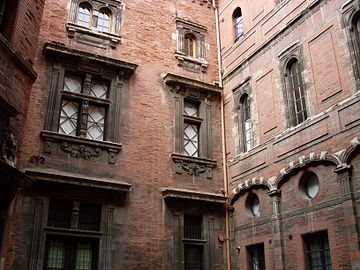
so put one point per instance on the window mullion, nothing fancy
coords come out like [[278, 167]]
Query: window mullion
[[75, 215]]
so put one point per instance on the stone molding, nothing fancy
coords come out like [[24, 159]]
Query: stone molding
[[175, 193], [78, 147], [193, 166], [339, 159]]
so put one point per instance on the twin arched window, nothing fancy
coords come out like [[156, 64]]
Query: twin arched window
[[190, 45], [295, 92], [238, 24], [99, 19]]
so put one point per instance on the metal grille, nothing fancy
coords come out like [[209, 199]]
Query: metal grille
[[298, 97], [84, 256], [60, 213], [257, 258], [89, 217], [193, 227], [193, 257], [318, 251]]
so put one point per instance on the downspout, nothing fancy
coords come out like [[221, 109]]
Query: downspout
[[223, 139]]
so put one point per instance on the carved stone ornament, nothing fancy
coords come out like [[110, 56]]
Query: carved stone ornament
[[9, 148], [81, 151], [37, 159], [193, 166]]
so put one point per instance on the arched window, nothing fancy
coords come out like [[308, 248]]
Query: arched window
[[247, 127], [295, 93], [84, 14], [238, 24], [104, 20], [190, 45]]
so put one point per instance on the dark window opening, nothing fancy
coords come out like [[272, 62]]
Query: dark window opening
[[256, 257], [318, 251], [193, 227], [193, 257], [8, 11], [71, 253], [190, 45]]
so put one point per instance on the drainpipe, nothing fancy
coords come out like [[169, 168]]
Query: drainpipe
[[223, 139]]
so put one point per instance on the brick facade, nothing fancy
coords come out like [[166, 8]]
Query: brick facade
[[120, 134]]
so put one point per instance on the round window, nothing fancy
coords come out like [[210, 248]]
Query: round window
[[309, 186], [312, 185], [255, 205]]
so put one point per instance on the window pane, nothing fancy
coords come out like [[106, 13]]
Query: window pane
[[257, 257], [193, 257], [89, 218], [72, 83], [60, 214], [191, 109], [103, 23], [68, 118], [193, 227], [99, 89], [84, 16], [191, 143], [190, 45], [55, 255], [84, 256], [95, 124]]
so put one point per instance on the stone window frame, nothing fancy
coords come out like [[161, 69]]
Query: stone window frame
[[286, 58], [185, 89], [242, 89], [178, 209], [42, 232], [90, 35], [350, 14], [115, 71], [198, 63]]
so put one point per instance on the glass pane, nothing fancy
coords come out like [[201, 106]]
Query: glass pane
[[96, 122], [72, 83], [191, 109], [83, 256], [55, 255], [191, 144], [255, 206], [103, 23], [83, 18], [68, 118], [190, 45], [99, 89], [312, 186]]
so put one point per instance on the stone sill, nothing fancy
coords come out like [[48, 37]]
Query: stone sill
[[191, 63], [186, 194], [80, 151], [74, 28], [194, 166], [73, 231]]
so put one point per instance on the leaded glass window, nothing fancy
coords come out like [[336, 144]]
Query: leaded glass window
[[256, 257], [103, 20], [247, 126], [95, 124], [318, 251], [238, 24], [68, 118], [296, 93], [84, 15], [88, 97], [192, 124]]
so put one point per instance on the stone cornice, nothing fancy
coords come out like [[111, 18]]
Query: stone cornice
[[187, 194]]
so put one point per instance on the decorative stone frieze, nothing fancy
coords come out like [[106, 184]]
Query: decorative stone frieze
[[193, 166]]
